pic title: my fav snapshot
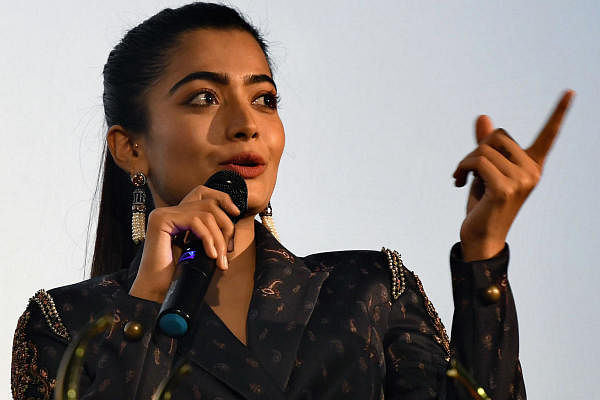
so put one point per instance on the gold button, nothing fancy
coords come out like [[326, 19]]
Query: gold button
[[492, 294], [133, 330]]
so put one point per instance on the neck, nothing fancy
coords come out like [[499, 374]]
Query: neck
[[243, 237]]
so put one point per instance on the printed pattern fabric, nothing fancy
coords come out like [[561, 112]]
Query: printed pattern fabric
[[323, 326]]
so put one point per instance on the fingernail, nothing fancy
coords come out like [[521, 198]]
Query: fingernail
[[230, 245], [224, 262], [214, 252]]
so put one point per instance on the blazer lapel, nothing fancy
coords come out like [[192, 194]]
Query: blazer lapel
[[285, 294], [218, 352]]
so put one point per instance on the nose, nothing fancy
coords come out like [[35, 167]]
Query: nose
[[241, 124]]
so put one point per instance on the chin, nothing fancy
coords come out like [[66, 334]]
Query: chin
[[260, 190], [256, 203], [258, 197]]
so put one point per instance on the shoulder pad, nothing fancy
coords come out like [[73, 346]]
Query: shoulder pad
[[48, 309], [399, 276], [397, 268]]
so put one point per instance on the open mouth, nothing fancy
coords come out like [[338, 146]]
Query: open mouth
[[248, 165]]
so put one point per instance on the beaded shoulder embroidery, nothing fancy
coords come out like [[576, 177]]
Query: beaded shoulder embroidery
[[441, 337], [397, 269], [48, 308]]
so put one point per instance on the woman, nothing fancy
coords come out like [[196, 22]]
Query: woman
[[190, 92]]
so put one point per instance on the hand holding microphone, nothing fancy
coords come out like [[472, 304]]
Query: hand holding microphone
[[205, 212], [195, 269]]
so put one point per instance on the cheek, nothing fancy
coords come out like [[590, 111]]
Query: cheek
[[180, 159], [182, 141], [277, 144]]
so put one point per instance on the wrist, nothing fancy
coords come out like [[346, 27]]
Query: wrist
[[480, 250], [139, 290]]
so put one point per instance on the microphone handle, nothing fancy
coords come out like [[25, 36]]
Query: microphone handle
[[192, 276]]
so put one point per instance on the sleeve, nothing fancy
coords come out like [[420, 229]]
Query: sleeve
[[36, 355], [119, 362], [484, 335]]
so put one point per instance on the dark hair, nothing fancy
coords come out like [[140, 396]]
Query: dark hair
[[133, 66]]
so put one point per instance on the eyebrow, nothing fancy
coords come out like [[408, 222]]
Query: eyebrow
[[221, 79]]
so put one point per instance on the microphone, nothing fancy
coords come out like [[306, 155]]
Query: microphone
[[194, 268]]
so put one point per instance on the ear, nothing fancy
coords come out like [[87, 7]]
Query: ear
[[126, 149]]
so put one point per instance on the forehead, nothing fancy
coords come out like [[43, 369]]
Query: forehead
[[233, 52]]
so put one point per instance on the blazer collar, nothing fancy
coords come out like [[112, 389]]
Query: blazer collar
[[285, 294]]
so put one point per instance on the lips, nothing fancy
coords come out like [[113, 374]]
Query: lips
[[248, 165]]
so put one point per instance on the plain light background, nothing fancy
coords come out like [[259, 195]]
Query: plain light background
[[378, 101]]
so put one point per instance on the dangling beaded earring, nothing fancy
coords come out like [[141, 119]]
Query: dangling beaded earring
[[138, 208], [266, 217]]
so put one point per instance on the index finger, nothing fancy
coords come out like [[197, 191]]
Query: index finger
[[223, 199], [540, 148]]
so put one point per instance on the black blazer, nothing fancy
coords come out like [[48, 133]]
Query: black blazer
[[323, 326]]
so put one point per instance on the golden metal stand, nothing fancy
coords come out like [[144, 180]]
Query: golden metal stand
[[458, 372], [71, 364]]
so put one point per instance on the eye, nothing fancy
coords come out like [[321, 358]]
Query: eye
[[269, 100], [203, 99]]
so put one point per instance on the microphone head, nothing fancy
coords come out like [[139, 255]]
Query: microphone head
[[233, 184]]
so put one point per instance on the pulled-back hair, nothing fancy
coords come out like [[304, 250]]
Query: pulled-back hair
[[132, 68]]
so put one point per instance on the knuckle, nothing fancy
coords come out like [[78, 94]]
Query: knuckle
[[208, 217], [212, 203], [473, 154], [226, 197], [502, 196], [158, 215], [197, 223], [484, 148], [228, 228], [222, 246], [523, 189], [496, 136], [480, 160], [527, 183], [155, 214], [509, 191], [203, 235], [501, 133], [221, 195], [493, 137], [219, 242], [505, 139], [194, 195], [505, 193], [198, 192]]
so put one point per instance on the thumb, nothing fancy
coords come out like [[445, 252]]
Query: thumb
[[483, 127]]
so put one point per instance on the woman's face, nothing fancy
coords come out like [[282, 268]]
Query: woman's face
[[214, 108]]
